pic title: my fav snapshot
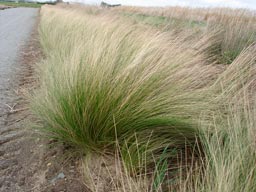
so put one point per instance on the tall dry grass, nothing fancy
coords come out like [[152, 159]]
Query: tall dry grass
[[237, 28], [109, 86], [104, 80]]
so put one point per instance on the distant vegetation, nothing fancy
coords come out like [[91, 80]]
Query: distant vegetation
[[152, 99], [23, 4], [236, 28], [104, 4]]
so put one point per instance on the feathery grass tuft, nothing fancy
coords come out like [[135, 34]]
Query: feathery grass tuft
[[155, 99]]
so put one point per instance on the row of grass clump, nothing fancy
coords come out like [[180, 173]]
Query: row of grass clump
[[108, 84], [236, 28]]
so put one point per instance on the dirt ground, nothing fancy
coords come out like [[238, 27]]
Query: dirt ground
[[2, 7], [28, 161]]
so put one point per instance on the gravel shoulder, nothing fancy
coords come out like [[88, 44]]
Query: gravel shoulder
[[28, 162]]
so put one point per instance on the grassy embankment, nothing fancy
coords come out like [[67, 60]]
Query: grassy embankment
[[235, 29], [156, 102]]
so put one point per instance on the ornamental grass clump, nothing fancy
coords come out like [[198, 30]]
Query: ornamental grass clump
[[104, 81], [155, 104]]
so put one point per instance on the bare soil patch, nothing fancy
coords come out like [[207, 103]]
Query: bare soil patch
[[2, 7]]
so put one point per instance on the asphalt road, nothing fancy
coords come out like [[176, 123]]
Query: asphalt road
[[15, 27]]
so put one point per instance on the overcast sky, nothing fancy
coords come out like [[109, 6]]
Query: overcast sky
[[194, 3]]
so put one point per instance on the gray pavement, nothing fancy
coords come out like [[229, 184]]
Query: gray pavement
[[15, 27]]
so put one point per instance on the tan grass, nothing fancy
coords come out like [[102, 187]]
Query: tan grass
[[130, 94]]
